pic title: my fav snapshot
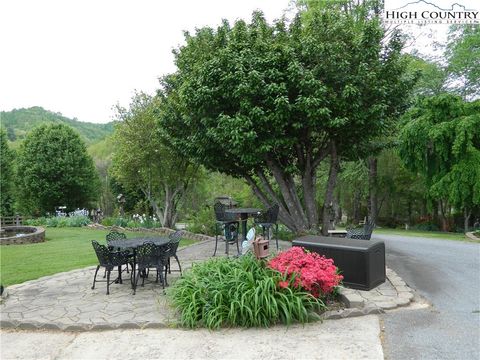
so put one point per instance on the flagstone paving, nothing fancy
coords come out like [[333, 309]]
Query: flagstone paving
[[66, 301]]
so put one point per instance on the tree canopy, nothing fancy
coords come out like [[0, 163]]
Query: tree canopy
[[463, 56], [441, 140], [270, 102], [142, 160], [6, 176], [54, 169]]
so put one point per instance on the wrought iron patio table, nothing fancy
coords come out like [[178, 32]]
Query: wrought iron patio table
[[133, 243], [244, 213]]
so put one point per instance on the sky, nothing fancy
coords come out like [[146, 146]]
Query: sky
[[81, 58]]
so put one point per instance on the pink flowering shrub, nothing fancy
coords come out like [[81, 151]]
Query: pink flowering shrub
[[308, 270]]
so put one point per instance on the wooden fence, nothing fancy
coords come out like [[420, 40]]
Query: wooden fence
[[11, 220]]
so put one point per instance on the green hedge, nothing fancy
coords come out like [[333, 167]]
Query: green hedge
[[59, 221]]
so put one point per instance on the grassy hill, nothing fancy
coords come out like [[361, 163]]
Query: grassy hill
[[19, 122]]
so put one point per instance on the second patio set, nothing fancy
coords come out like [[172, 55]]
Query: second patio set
[[137, 256]]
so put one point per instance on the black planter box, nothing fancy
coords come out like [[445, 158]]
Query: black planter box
[[361, 262]]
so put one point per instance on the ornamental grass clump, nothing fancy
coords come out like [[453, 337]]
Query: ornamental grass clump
[[307, 270], [240, 292]]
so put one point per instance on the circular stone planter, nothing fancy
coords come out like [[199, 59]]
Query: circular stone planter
[[22, 235]]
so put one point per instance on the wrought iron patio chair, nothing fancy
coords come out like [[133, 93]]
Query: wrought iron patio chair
[[109, 259], [361, 233], [115, 235], [267, 220], [149, 256], [228, 223], [172, 250]]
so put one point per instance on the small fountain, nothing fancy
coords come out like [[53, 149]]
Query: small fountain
[[12, 235]]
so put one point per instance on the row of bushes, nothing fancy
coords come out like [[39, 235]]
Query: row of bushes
[[59, 221], [147, 222], [292, 287]]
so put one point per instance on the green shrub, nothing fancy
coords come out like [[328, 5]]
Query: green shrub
[[239, 292], [426, 226], [202, 222], [59, 221], [117, 221]]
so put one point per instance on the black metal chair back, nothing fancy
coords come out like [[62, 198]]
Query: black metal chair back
[[270, 216], [109, 259], [115, 235], [102, 252], [221, 215], [174, 242], [363, 233], [146, 255]]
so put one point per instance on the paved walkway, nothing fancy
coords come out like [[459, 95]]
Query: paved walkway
[[65, 301], [351, 339]]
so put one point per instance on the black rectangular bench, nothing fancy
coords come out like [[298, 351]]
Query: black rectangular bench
[[361, 262]]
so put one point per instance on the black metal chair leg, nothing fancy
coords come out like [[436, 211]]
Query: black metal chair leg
[[163, 278], [216, 239], [108, 282], [120, 275], [179, 266], [95, 277], [136, 282]]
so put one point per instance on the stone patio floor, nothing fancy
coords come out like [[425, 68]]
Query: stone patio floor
[[65, 301]]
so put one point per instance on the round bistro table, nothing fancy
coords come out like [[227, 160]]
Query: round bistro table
[[134, 243]]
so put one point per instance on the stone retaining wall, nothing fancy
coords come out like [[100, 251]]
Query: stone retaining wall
[[159, 231], [34, 234]]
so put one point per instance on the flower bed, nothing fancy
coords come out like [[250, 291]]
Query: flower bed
[[240, 292]]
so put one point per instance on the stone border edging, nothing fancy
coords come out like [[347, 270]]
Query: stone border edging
[[472, 237], [354, 300]]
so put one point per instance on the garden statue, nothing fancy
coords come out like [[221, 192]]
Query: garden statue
[[121, 202]]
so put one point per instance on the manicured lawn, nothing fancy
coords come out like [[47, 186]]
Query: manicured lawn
[[425, 234], [64, 249]]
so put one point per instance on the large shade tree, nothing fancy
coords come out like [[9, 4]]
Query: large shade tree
[[441, 140], [54, 169], [269, 103], [143, 161]]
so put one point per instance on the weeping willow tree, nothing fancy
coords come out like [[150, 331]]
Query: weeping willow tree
[[441, 141]]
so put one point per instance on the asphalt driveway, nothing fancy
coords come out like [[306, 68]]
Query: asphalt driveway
[[447, 274]]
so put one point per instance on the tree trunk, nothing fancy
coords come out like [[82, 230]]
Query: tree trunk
[[443, 209], [328, 212], [309, 195], [372, 189], [338, 209], [467, 213], [269, 198], [356, 207], [289, 193]]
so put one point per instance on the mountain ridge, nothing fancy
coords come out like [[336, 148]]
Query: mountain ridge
[[18, 122]]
